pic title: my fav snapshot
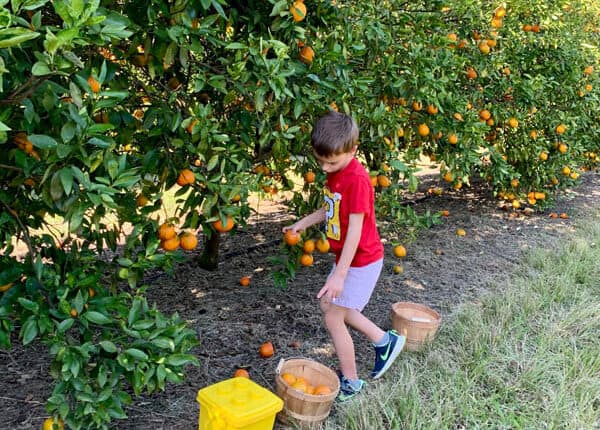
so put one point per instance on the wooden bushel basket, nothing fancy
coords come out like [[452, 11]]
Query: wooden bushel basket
[[417, 322], [302, 409]]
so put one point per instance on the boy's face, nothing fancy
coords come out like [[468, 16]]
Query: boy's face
[[335, 163]]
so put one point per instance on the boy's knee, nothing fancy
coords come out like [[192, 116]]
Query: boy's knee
[[325, 305]]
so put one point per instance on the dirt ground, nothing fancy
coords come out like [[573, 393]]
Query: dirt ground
[[440, 270]]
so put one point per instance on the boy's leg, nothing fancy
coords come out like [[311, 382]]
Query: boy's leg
[[388, 345], [334, 317]]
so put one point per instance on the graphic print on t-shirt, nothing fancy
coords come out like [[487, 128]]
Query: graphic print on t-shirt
[[332, 214]]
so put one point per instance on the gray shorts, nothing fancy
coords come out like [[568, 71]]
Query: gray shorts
[[359, 285]]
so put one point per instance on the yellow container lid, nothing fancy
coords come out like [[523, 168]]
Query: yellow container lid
[[238, 401]]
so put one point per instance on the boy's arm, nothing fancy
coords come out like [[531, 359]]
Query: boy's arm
[[316, 217], [335, 283]]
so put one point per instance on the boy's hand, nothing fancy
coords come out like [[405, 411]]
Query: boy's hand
[[333, 287], [293, 227]]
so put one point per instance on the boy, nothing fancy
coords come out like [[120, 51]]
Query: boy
[[349, 216]]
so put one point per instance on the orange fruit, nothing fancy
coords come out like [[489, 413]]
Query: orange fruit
[[588, 70], [539, 195], [5, 287], [186, 177], [374, 179], [561, 128], [445, 212], [562, 148], [485, 114], [288, 378], [398, 269], [190, 127], [453, 139], [563, 215], [298, 11], [141, 200], [484, 48], [245, 281], [499, 12], [417, 106], [309, 246], [188, 241], [514, 182], [461, 232], [173, 83], [309, 177], [496, 22], [306, 55], [91, 292], [323, 245], [291, 238], [400, 251], [241, 373], [543, 155], [94, 84], [170, 245], [516, 204], [448, 177], [266, 349], [53, 424], [513, 122], [306, 260], [432, 109], [73, 313], [166, 231], [300, 385], [321, 390], [553, 215], [218, 225], [423, 130], [383, 181], [566, 170], [471, 73]]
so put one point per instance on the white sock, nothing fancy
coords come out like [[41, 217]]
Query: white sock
[[384, 340]]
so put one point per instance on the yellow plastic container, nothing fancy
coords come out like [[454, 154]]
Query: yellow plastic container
[[236, 404]]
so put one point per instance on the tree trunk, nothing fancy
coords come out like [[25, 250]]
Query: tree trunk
[[209, 259]]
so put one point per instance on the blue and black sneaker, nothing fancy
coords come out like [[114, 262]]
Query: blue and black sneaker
[[386, 354], [349, 389]]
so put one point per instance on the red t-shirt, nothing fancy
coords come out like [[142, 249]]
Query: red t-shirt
[[349, 191]]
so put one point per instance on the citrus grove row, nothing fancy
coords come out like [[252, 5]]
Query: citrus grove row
[[149, 124]]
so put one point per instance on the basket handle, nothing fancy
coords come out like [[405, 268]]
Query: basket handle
[[279, 365], [282, 361]]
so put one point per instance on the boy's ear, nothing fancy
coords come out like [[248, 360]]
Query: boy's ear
[[354, 149]]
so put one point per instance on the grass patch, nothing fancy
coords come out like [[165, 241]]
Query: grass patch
[[526, 356]]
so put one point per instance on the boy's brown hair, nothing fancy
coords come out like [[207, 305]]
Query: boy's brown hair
[[334, 133]]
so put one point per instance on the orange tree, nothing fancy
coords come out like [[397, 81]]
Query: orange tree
[[106, 106]]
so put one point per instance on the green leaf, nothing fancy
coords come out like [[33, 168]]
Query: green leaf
[[15, 36], [67, 132], [107, 345], [97, 318], [66, 177], [65, 325], [99, 143], [236, 45], [181, 359], [40, 68], [219, 8], [164, 343], [137, 354], [42, 141], [212, 163], [28, 304], [29, 330]]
